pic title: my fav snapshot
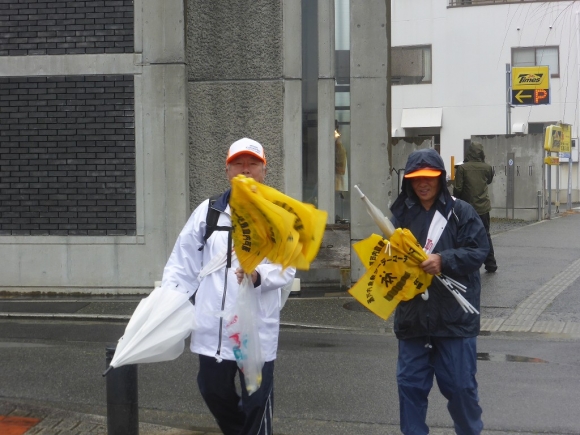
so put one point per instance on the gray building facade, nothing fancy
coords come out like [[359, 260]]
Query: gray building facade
[[116, 116]]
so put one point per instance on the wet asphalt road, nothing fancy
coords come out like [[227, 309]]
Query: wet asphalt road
[[335, 372]]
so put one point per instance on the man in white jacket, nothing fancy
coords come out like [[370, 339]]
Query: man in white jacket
[[216, 293]]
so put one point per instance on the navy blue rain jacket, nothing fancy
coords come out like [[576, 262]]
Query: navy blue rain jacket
[[463, 247]]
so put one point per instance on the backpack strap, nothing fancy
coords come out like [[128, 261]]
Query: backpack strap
[[211, 221]]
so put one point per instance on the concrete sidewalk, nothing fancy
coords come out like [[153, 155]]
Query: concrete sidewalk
[[25, 419], [536, 263], [41, 420]]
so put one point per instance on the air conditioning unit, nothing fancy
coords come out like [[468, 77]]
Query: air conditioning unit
[[520, 127]]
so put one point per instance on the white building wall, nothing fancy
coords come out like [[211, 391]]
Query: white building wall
[[470, 49]]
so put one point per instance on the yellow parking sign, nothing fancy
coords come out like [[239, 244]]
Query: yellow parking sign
[[530, 86]]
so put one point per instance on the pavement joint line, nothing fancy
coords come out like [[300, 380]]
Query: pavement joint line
[[519, 324], [64, 316], [528, 311], [127, 317], [314, 326]]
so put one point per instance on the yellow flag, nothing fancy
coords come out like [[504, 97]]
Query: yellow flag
[[266, 225], [250, 235], [310, 222], [369, 249], [405, 242], [393, 276], [281, 230]]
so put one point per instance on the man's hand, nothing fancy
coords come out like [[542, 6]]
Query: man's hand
[[432, 265], [240, 275]]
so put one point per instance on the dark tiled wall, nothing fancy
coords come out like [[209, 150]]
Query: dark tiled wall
[[36, 27], [67, 155]]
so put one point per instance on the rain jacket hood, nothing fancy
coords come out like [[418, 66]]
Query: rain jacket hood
[[425, 158], [475, 153]]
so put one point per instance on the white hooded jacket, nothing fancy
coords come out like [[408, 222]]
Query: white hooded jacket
[[217, 292]]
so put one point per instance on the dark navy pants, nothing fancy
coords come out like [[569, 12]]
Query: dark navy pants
[[453, 362], [235, 415]]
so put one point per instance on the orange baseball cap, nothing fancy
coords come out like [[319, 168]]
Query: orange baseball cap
[[424, 172], [246, 146]]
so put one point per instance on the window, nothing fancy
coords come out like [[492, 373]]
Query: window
[[537, 56], [411, 65]]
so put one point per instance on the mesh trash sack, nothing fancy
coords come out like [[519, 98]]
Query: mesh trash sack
[[242, 329]]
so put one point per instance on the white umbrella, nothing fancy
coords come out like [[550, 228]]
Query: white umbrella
[[160, 324], [382, 222], [157, 329]]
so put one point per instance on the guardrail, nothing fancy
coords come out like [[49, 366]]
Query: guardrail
[[457, 3]]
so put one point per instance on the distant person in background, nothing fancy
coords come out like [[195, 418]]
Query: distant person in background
[[340, 172], [471, 180]]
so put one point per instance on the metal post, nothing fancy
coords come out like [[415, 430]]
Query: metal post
[[558, 188], [569, 197], [549, 189], [539, 205], [122, 403], [508, 109], [510, 188]]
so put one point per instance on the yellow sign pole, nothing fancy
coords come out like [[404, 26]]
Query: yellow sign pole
[[453, 167], [566, 152]]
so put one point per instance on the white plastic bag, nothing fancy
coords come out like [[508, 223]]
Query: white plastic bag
[[242, 329]]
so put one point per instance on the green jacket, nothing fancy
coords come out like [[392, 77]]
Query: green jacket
[[472, 178]]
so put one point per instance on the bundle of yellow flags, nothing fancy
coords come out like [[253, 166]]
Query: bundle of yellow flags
[[269, 224], [393, 273]]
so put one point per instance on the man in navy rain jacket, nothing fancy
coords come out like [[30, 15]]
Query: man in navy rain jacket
[[436, 336]]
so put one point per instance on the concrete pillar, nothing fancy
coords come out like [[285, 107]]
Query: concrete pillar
[[292, 58], [369, 129], [326, 107], [236, 64], [164, 111]]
